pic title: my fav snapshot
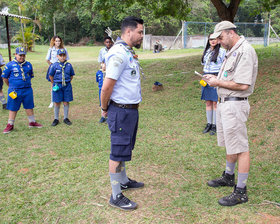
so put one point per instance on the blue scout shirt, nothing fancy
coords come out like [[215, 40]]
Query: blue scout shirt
[[58, 69], [18, 74]]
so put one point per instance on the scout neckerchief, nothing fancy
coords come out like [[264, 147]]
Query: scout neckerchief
[[22, 72], [62, 70], [135, 56]]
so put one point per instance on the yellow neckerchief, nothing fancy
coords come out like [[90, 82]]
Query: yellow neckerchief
[[22, 72], [135, 56], [62, 70]]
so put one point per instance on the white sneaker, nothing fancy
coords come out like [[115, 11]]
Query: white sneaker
[[51, 105]]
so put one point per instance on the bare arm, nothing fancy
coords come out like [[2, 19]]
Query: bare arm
[[51, 78], [213, 81], [106, 92], [49, 63], [6, 81]]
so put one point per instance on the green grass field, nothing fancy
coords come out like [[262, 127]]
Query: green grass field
[[60, 174]]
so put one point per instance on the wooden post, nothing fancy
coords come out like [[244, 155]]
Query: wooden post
[[8, 38]]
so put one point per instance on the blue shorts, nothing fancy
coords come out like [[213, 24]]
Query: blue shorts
[[24, 96], [1, 83], [123, 124], [64, 94]]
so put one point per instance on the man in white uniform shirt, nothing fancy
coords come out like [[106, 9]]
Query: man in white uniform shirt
[[120, 97]]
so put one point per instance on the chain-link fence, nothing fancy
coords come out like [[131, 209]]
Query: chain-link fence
[[195, 34]]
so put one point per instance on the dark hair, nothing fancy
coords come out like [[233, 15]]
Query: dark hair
[[107, 38], [131, 22], [216, 51]]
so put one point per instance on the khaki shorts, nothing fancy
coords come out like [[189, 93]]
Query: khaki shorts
[[231, 126]]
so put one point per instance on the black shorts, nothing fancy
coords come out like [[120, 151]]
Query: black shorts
[[123, 124]]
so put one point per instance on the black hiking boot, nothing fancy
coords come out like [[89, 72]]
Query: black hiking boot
[[224, 180], [238, 196], [207, 128]]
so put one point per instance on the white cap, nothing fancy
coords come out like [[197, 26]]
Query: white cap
[[224, 25]]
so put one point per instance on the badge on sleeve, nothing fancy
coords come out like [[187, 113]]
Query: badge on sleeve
[[225, 74]]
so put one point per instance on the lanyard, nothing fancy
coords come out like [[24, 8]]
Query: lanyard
[[21, 68], [135, 56], [62, 70]]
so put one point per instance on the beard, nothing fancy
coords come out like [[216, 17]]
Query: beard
[[137, 46]]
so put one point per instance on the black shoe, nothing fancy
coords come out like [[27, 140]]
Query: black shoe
[[238, 196], [131, 184], [4, 106], [55, 122], [207, 128], [102, 120], [225, 180], [67, 121], [213, 130], [122, 202]]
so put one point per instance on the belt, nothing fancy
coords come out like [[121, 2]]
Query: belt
[[125, 106], [222, 100]]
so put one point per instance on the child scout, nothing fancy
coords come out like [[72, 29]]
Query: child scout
[[17, 75], [61, 74]]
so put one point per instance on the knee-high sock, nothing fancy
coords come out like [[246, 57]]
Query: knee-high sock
[[56, 112], [124, 178], [242, 180], [66, 110], [230, 168], [115, 184], [214, 117], [209, 115]]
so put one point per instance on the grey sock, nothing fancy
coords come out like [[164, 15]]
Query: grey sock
[[56, 112], [11, 122], [209, 115], [230, 168], [214, 117], [124, 177], [3, 100], [31, 118], [242, 180], [66, 110], [115, 179]]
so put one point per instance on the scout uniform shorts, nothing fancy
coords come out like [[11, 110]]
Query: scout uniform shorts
[[231, 126], [64, 94], [123, 124], [24, 96]]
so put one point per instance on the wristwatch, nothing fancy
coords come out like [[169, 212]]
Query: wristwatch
[[105, 110]]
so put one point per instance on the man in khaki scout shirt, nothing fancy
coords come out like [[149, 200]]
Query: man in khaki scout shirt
[[235, 83]]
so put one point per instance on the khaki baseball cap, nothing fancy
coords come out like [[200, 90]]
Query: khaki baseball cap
[[224, 25]]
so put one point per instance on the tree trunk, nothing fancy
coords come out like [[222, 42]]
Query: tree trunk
[[54, 27], [226, 12], [33, 41]]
